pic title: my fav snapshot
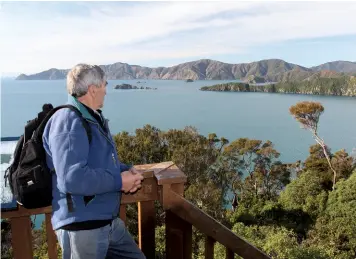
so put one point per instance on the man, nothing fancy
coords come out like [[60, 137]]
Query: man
[[89, 178]]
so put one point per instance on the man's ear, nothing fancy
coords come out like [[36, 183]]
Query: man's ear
[[91, 89]]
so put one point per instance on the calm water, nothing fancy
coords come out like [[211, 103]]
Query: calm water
[[177, 104]]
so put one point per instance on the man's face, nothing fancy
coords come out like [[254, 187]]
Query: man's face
[[100, 95]]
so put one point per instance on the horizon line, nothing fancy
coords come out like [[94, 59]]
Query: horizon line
[[229, 63]]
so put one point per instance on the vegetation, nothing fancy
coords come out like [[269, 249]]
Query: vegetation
[[287, 210], [308, 113], [6, 249], [40, 243], [338, 86]]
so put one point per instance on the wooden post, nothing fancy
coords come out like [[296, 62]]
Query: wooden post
[[146, 228], [209, 247], [178, 231], [123, 213], [51, 238], [178, 237], [21, 237], [229, 254]]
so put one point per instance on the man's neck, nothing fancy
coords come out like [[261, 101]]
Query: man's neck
[[94, 113], [87, 103]]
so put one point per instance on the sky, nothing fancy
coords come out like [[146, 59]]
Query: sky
[[37, 36]]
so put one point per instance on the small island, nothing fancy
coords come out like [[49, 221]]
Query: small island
[[132, 87], [189, 80], [341, 86]]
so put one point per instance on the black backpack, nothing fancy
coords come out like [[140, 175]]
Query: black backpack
[[29, 177]]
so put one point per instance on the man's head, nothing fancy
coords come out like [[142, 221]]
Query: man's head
[[88, 84]]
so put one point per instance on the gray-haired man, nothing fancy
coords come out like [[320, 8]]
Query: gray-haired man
[[89, 178]]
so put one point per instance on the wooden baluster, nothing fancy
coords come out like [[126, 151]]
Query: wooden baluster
[[123, 213], [178, 237], [21, 233], [51, 238], [146, 228], [229, 254], [209, 247]]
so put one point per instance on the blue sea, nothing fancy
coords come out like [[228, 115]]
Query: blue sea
[[176, 104]]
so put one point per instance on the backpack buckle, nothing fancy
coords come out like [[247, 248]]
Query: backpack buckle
[[6, 175]]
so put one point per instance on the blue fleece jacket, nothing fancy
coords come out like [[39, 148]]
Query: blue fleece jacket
[[82, 169]]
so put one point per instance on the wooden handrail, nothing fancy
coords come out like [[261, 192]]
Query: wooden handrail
[[148, 192], [212, 228], [145, 197]]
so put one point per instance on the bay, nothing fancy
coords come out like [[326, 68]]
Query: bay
[[176, 104]]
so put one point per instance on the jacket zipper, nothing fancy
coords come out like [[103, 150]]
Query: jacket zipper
[[118, 194], [97, 124], [112, 154], [114, 160]]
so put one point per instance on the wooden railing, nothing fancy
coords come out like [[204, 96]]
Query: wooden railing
[[163, 182]]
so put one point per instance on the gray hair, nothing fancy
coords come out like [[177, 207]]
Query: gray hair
[[81, 76]]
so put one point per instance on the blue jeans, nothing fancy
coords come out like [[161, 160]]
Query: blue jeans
[[109, 242]]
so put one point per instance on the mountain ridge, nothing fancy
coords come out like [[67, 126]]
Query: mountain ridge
[[338, 66], [267, 70]]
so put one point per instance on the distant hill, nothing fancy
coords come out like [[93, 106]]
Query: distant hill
[[337, 66], [270, 70], [340, 86], [51, 74]]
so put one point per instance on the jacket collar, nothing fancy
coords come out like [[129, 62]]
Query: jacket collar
[[73, 101], [85, 113]]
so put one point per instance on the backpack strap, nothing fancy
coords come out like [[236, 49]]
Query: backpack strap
[[85, 124]]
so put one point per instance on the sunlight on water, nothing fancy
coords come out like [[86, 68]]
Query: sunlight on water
[[7, 148]]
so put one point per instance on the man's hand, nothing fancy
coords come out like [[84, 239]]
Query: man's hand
[[138, 182], [137, 186], [131, 181], [134, 170]]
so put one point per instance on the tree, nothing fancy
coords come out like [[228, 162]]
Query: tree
[[308, 114], [335, 230], [147, 146], [191, 152], [317, 163], [278, 242], [160, 242], [286, 220], [271, 174], [225, 177], [242, 154], [305, 193], [207, 196], [6, 248], [343, 163], [40, 246], [265, 174]]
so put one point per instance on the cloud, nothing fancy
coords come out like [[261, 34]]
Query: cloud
[[44, 35]]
